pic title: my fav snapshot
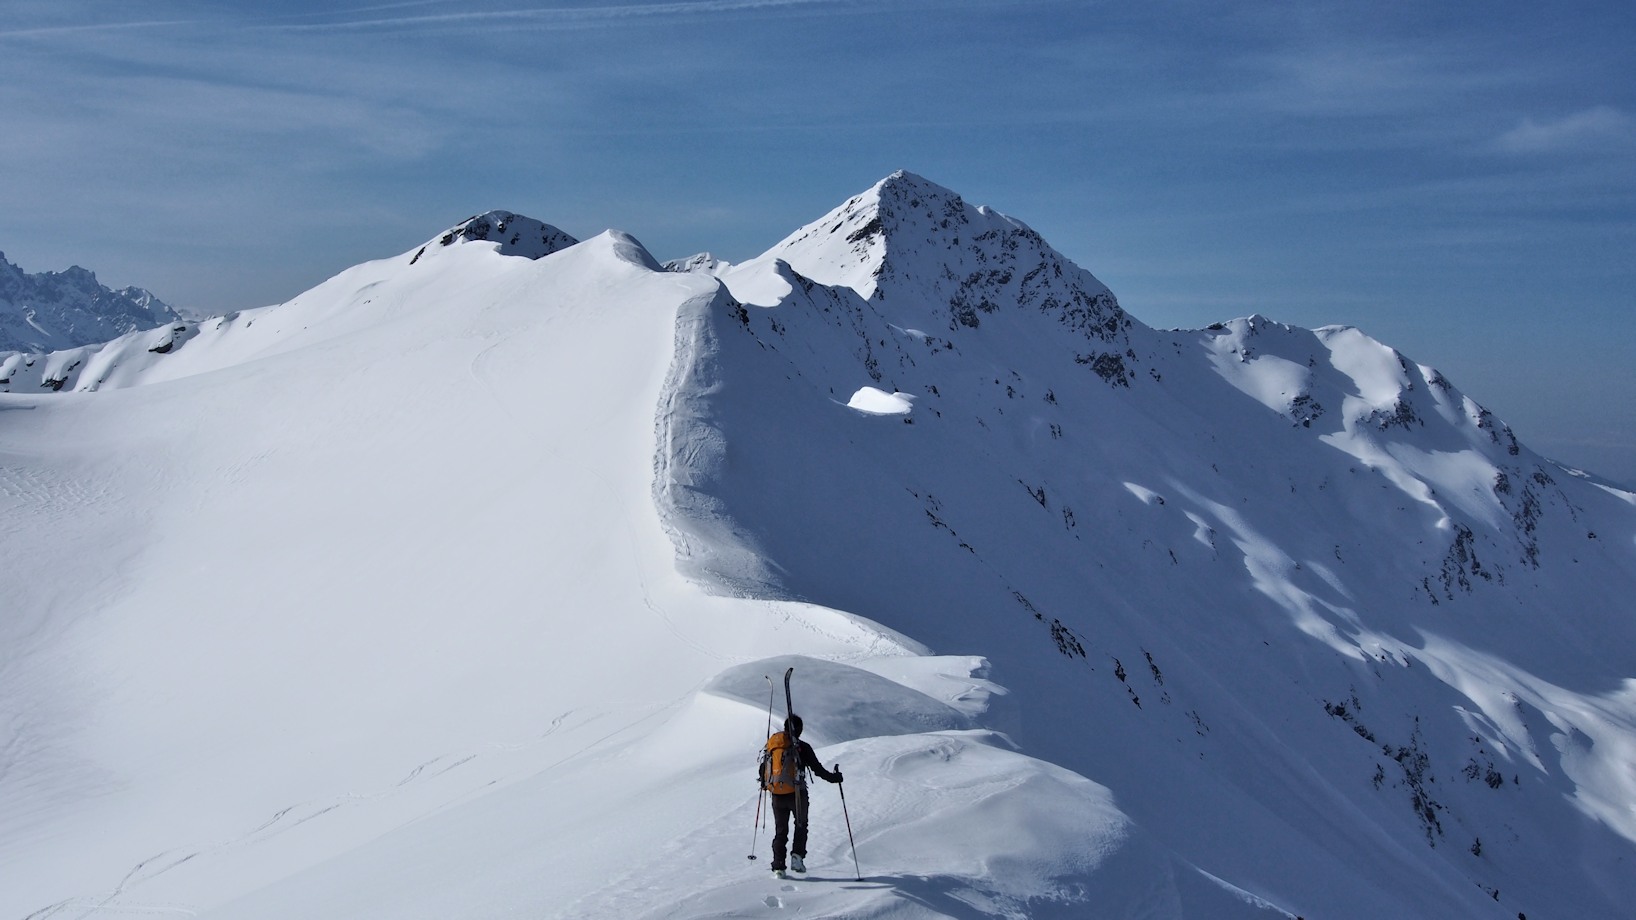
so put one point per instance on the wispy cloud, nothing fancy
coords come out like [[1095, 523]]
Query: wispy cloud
[[123, 26], [1597, 129], [568, 17], [1369, 76], [84, 21], [397, 17]]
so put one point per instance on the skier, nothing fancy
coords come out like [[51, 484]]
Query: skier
[[784, 774]]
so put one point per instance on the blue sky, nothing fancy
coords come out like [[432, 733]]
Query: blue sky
[[1458, 180]]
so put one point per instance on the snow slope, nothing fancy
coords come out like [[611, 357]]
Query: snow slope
[[456, 587]]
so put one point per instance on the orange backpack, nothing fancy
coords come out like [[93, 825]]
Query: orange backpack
[[779, 765]]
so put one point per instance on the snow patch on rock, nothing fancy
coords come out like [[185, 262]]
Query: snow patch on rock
[[872, 401]]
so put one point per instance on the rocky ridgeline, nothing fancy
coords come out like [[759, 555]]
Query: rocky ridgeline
[[515, 235]]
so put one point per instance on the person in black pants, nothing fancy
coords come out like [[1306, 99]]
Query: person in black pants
[[792, 804]]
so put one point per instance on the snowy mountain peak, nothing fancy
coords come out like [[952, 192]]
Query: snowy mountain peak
[[698, 262], [512, 235], [851, 245], [922, 254], [55, 310], [903, 185]]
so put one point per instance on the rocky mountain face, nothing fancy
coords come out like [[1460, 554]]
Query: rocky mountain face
[[512, 234], [50, 311]]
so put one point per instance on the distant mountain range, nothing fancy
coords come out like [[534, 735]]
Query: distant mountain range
[[459, 585], [51, 311]]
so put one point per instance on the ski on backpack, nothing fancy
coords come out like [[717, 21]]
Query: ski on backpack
[[789, 713], [781, 761], [789, 708]]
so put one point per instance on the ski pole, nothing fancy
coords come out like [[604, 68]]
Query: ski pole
[[848, 817], [755, 826], [761, 794]]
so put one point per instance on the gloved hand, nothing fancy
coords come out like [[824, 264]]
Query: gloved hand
[[838, 777]]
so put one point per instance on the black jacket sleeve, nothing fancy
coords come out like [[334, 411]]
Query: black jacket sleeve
[[809, 758]]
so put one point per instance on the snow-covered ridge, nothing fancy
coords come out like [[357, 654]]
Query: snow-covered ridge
[[1339, 380], [55, 310], [1439, 448], [183, 348]]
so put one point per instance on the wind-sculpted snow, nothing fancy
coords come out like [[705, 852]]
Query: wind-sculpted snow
[[1006, 836], [854, 702], [457, 586]]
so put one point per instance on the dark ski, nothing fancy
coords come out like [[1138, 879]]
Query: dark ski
[[789, 709]]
